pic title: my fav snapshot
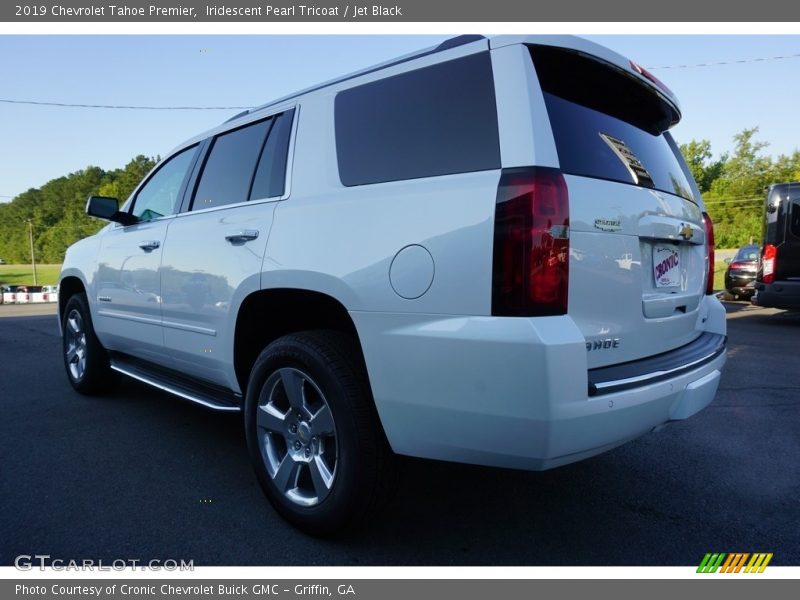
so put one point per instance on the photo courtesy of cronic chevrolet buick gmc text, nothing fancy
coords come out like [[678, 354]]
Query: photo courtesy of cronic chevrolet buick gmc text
[[489, 252]]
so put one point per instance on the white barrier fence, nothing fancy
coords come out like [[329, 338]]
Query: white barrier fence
[[22, 297]]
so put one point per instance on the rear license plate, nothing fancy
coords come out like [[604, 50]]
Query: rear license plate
[[666, 266]]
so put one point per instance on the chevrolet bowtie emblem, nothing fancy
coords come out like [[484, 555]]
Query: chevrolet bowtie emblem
[[686, 231]]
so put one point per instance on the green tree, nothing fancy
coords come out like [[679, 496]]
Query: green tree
[[56, 210], [699, 158]]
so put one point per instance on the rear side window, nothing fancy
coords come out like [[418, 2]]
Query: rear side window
[[606, 124], [794, 197], [436, 120], [245, 164]]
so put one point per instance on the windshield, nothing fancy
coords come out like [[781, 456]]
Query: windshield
[[748, 253]]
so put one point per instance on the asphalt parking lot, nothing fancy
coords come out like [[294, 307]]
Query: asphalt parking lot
[[140, 475]]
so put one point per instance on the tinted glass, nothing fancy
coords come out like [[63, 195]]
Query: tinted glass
[[607, 125], [748, 253], [794, 218], [160, 196], [229, 168], [437, 120], [583, 151], [270, 176]]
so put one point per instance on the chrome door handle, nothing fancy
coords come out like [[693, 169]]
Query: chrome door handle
[[149, 245], [239, 237]]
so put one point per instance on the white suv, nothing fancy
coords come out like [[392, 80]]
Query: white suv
[[489, 252]]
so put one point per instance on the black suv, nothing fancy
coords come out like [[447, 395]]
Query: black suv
[[778, 279]]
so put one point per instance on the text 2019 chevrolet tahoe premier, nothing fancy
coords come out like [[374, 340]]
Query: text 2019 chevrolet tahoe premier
[[489, 252]]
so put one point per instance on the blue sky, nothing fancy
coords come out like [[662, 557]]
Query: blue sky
[[39, 143]]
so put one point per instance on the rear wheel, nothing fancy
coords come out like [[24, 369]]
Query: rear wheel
[[85, 359], [313, 435]]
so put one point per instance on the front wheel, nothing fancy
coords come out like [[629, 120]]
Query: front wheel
[[85, 359], [314, 437]]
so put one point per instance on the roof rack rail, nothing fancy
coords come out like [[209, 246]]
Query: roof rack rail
[[453, 42], [237, 115], [457, 41]]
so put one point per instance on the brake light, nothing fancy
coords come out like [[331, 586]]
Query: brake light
[[709, 227], [739, 265], [530, 275], [769, 257]]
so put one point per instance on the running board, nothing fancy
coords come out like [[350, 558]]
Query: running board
[[208, 395]]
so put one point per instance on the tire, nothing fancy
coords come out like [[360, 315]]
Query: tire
[[313, 434], [85, 360]]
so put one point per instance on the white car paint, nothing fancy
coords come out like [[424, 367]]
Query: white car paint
[[450, 381]]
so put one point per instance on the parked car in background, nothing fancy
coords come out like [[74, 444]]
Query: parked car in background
[[50, 293], [10, 294], [740, 276], [778, 278], [25, 293]]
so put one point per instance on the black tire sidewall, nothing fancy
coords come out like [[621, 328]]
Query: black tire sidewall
[[97, 375], [344, 501]]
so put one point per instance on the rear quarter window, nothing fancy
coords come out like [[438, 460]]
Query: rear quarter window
[[437, 120]]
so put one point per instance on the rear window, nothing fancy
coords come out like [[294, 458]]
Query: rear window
[[608, 125], [436, 120]]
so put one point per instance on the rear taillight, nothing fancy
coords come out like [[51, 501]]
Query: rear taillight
[[530, 274], [709, 227], [769, 258], [738, 265]]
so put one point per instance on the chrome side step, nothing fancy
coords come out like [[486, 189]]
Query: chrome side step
[[182, 387]]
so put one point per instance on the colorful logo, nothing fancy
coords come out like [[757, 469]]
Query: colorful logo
[[735, 562]]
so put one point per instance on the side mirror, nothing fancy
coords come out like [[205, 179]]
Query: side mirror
[[728, 261], [107, 208]]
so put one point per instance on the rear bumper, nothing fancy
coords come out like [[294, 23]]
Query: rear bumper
[[638, 373], [740, 284], [514, 392], [781, 294]]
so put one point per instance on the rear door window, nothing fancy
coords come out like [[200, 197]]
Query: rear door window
[[248, 163], [270, 178], [607, 124]]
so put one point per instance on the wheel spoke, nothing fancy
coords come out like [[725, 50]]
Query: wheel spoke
[[271, 419], [293, 386], [286, 476], [72, 355], [322, 421], [321, 477], [74, 324]]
